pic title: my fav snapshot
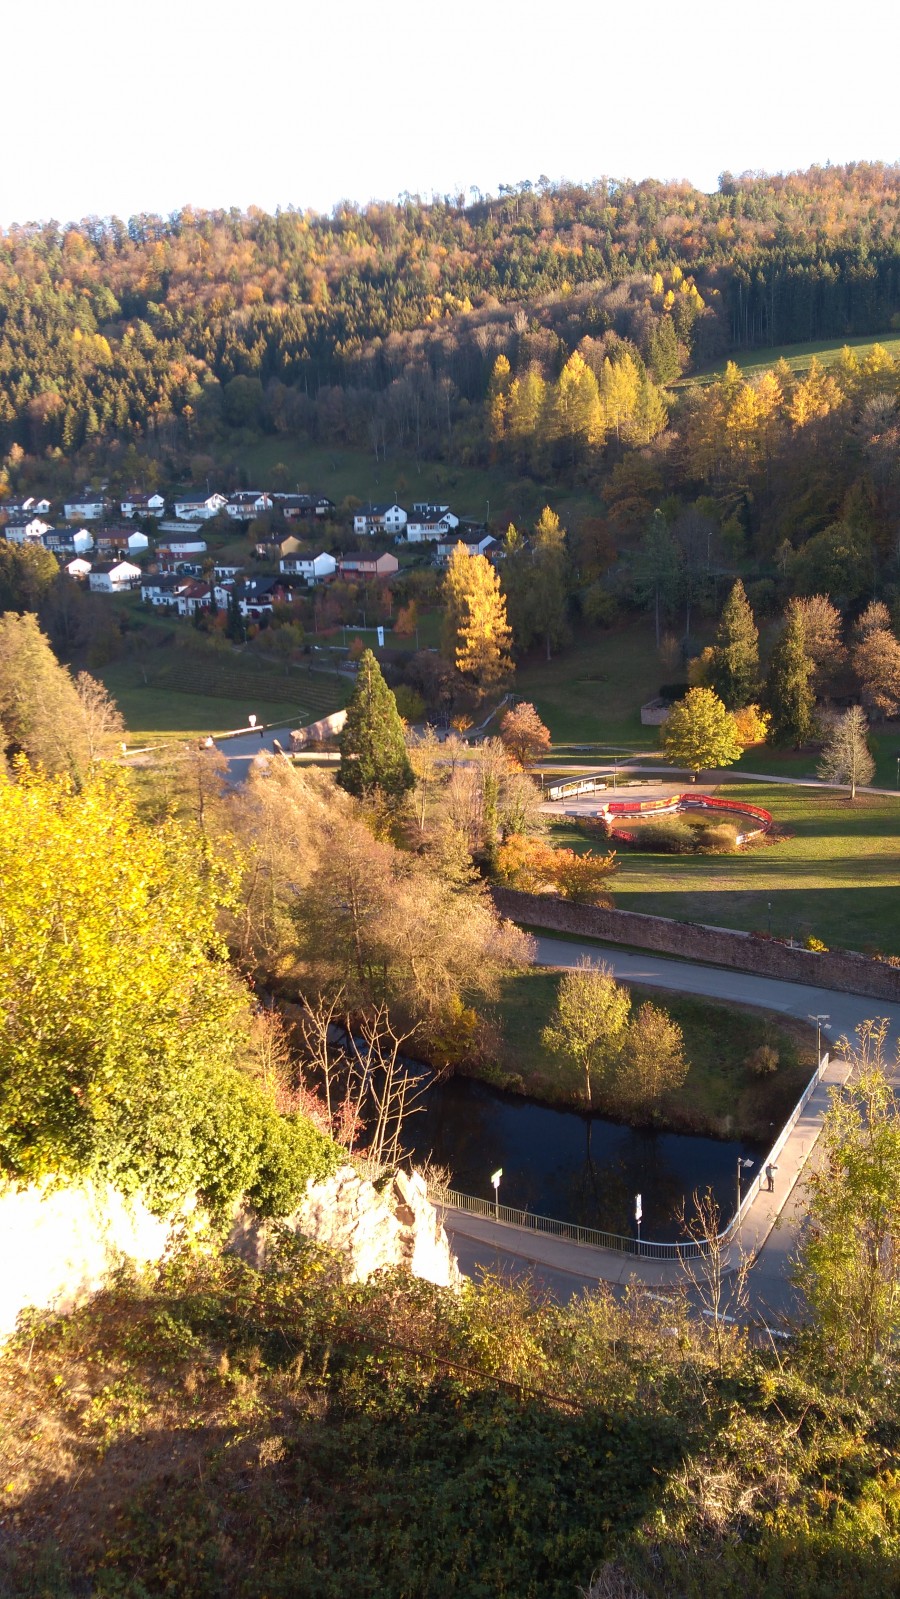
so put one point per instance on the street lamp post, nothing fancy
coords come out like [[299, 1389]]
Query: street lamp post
[[743, 1162], [819, 1021], [495, 1181], [638, 1216]]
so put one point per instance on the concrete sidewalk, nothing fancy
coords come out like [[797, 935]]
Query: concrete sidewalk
[[583, 1262]]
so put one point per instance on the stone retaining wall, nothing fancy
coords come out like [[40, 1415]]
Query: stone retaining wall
[[715, 946]]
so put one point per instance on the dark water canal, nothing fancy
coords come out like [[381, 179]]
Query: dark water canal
[[573, 1167]]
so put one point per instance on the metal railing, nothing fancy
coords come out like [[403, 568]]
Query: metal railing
[[575, 786], [644, 1248], [570, 1231]]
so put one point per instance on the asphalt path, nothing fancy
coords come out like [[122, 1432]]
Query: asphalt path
[[845, 1011], [240, 750]]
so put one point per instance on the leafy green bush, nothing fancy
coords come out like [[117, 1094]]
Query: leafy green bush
[[124, 1025], [670, 835]]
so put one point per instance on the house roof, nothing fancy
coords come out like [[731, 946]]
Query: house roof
[[302, 500], [165, 583], [380, 510]]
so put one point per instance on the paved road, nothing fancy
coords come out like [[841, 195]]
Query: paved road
[[846, 1011], [241, 750]]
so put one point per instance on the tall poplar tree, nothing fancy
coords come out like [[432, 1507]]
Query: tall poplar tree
[[789, 692], [373, 747], [735, 663], [476, 636], [550, 579]]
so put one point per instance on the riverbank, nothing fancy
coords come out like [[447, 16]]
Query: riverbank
[[721, 1097]]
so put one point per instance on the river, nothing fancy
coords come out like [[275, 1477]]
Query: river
[[573, 1167]]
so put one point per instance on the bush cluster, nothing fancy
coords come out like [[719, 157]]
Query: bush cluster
[[682, 835]]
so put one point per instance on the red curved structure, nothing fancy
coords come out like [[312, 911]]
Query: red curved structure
[[684, 802]]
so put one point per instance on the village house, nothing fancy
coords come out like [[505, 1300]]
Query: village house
[[59, 541], [113, 577], [380, 519], [278, 545], [430, 523], [121, 541], [181, 549], [303, 507], [245, 506], [259, 595], [227, 571], [196, 596], [163, 588], [26, 508], [312, 568], [79, 568], [368, 566], [142, 505], [198, 507], [475, 542], [26, 529], [89, 509]]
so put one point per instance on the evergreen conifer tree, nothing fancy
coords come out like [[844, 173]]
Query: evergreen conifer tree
[[373, 748], [735, 664], [789, 693]]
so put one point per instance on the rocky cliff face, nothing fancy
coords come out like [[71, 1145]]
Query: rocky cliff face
[[370, 1228], [59, 1245]]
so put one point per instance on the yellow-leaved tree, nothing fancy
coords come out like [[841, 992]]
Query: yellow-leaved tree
[[477, 636]]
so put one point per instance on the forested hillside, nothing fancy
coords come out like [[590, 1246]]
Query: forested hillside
[[175, 328]]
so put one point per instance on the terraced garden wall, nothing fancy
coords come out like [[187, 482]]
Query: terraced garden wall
[[714, 946]]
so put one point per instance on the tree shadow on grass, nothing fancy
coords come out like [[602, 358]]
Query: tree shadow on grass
[[446, 1492]]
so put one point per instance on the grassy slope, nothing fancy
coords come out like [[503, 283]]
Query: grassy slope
[[219, 1433], [214, 690], [884, 742], [352, 472], [837, 876], [719, 1096], [593, 691], [797, 356]]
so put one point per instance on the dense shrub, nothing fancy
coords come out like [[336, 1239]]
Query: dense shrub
[[763, 1061], [717, 838], [670, 835], [124, 1027]]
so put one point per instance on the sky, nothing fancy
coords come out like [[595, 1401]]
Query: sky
[[112, 107]]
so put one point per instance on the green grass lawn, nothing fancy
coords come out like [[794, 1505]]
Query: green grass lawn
[[720, 1095], [174, 691], [798, 356], [592, 692], [836, 876], [884, 742]]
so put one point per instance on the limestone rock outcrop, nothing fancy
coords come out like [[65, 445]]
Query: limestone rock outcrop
[[369, 1227]]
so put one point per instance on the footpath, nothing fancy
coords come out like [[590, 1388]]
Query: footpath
[[505, 1241]]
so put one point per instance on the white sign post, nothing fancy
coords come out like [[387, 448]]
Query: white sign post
[[380, 633], [251, 720], [495, 1179], [638, 1214]]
